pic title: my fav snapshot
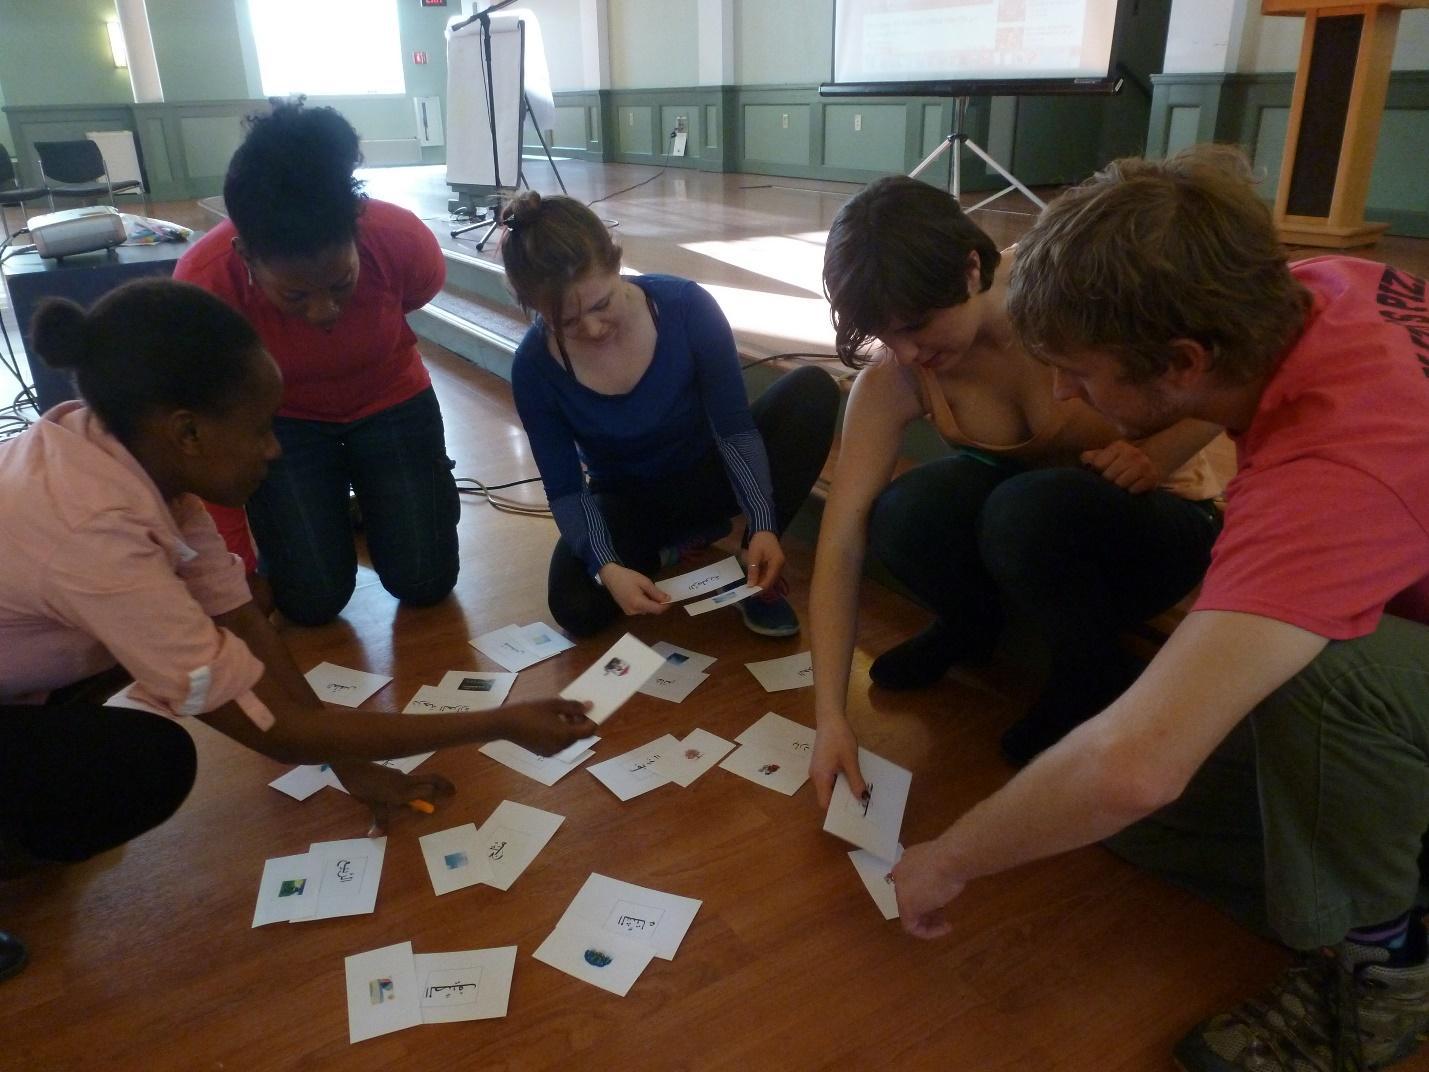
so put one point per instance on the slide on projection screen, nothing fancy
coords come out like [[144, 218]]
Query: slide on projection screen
[[927, 40]]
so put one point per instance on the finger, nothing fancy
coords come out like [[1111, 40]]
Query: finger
[[856, 785], [381, 816], [930, 925], [1095, 459]]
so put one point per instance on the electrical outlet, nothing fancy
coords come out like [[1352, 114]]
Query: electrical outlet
[[857, 120], [784, 120]]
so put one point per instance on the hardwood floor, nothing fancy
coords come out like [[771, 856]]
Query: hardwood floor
[[144, 958]]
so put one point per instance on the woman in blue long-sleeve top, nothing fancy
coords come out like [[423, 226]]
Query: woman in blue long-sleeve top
[[631, 392]]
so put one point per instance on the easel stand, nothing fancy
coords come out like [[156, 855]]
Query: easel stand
[[956, 140], [489, 226], [494, 222]]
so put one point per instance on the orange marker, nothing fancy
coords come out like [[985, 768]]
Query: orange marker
[[422, 806]]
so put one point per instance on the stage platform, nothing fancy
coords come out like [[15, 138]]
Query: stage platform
[[755, 242]]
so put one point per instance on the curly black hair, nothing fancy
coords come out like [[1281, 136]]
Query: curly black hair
[[289, 189]]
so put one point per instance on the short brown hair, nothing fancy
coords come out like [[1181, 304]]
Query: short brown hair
[[1146, 252], [551, 243], [896, 251]]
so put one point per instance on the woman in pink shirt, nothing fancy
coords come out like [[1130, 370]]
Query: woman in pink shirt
[[327, 275], [112, 563]]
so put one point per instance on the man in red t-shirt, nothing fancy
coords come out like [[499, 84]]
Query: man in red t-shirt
[[1158, 291]]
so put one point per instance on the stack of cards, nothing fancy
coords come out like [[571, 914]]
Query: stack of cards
[[342, 686], [612, 930], [775, 754], [872, 823], [392, 988], [548, 770], [461, 690], [516, 647], [494, 855], [712, 582], [661, 762], [333, 878], [682, 672], [790, 672]]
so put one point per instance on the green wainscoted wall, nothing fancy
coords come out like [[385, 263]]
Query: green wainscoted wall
[[1252, 110], [792, 131]]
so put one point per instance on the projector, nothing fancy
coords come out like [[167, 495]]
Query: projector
[[76, 230]]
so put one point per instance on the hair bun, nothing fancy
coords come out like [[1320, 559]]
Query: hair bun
[[521, 210], [57, 333]]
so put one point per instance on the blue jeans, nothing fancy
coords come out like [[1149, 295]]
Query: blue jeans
[[396, 462], [1072, 554]]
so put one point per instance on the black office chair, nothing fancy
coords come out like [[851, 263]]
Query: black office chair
[[12, 194], [77, 169]]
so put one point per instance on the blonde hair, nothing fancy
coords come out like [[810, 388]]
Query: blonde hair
[[1146, 252]]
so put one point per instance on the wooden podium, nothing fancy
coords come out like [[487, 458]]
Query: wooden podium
[[1340, 89]]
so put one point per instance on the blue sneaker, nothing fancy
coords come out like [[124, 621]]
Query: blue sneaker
[[769, 613]]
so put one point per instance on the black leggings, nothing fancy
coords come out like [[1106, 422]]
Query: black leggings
[[78, 778], [1070, 552], [795, 418]]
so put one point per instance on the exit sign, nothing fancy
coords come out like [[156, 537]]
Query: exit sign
[[434, 3]]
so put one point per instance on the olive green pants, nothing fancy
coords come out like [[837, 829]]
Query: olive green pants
[[1311, 817]]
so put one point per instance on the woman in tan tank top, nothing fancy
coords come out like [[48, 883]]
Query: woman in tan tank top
[[1043, 508]]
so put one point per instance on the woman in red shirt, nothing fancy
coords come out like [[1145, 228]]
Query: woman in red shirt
[[327, 275]]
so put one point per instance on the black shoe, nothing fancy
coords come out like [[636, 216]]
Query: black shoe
[[12, 955], [922, 660]]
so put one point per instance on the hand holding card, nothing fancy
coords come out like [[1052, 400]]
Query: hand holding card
[[546, 726]]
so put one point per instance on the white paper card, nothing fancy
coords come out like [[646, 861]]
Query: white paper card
[[510, 647], [430, 700], [790, 672], [543, 640], [877, 880], [382, 994], [406, 764], [125, 698], [772, 768], [683, 658], [574, 753], [545, 769], [614, 678], [871, 824], [633, 913], [302, 782], [595, 956], [697, 753], [348, 874], [343, 686], [703, 581], [635, 772], [511, 838], [781, 734], [470, 985], [673, 685], [723, 599], [490, 688], [288, 889], [454, 858]]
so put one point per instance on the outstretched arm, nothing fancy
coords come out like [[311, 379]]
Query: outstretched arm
[[880, 406], [1133, 758]]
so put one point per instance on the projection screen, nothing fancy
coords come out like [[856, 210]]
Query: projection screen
[[972, 40]]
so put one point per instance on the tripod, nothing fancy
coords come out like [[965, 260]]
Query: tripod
[[489, 90], [955, 140]]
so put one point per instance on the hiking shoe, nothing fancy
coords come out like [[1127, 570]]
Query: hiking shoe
[[768, 613], [922, 660], [12, 955], [1340, 1010]]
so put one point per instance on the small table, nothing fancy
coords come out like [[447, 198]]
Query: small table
[[83, 277]]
